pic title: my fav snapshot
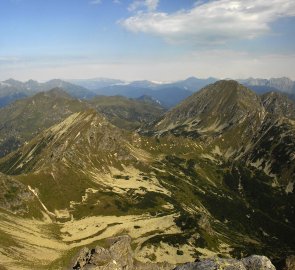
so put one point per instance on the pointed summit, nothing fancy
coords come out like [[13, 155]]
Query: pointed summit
[[82, 134], [72, 89], [215, 108], [56, 92], [25, 118]]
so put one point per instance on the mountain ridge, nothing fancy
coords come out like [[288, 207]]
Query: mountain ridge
[[218, 106], [228, 116], [11, 90], [23, 119]]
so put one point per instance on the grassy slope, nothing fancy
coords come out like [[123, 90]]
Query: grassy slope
[[127, 113], [24, 119]]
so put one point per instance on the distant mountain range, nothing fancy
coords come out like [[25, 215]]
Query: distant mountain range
[[11, 90], [94, 84], [171, 93], [191, 84], [262, 85], [168, 94]]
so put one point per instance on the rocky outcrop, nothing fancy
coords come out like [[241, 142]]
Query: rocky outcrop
[[256, 262], [279, 104], [118, 256], [14, 196]]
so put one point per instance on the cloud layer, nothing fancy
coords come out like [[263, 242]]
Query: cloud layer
[[212, 22]]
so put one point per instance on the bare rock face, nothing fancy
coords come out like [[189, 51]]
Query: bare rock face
[[121, 252], [14, 196], [83, 258], [118, 256]]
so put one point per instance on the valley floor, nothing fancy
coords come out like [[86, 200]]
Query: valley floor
[[33, 244]]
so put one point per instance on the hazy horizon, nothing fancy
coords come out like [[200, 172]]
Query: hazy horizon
[[142, 79]]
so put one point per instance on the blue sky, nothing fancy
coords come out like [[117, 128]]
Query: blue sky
[[162, 40]]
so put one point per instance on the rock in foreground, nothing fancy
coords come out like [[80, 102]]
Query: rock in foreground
[[118, 256], [253, 262]]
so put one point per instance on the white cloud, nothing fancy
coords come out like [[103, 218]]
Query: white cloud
[[212, 22], [95, 2], [150, 5]]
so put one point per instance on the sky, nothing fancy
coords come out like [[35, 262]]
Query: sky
[[160, 40]]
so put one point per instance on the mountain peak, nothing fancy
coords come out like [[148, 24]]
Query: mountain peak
[[231, 83], [58, 92], [220, 95], [53, 94], [31, 82], [148, 99], [72, 89], [214, 108], [10, 80], [55, 80], [192, 78], [13, 83], [59, 139]]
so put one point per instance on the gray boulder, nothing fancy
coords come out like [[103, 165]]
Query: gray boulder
[[253, 262], [256, 262], [213, 264]]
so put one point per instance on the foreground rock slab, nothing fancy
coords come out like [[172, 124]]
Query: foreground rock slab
[[118, 256], [253, 262]]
